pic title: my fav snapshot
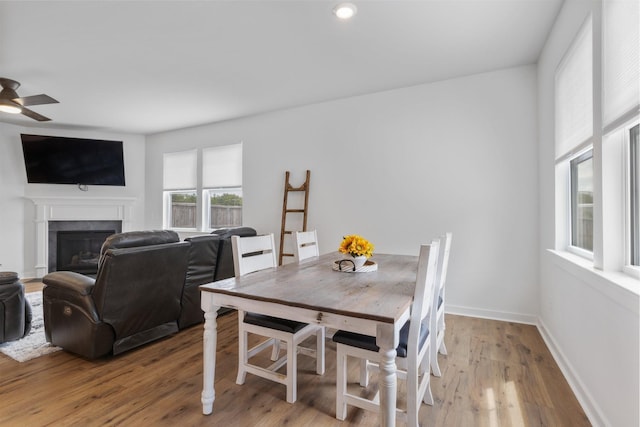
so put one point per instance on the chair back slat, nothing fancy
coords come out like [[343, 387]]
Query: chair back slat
[[443, 262], [425, 282], [253, 253], [306, 244]]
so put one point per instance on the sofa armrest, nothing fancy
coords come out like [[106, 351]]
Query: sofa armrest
[[10, 290], [69, 281]]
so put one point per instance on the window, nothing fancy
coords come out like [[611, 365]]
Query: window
[[216, 192], [634, 195], [183, 209], [179, 184], [224, 207], [597, 83], [582, 201], [574, 135], [222, 186]]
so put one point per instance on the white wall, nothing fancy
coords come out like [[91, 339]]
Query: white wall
[[17, 213], [590, 323], [12, 184], [401, 167]]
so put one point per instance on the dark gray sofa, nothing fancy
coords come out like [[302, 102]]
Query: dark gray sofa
[[210, 259], [147, 287]]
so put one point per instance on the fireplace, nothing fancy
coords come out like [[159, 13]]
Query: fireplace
[[53, 214], [75, 245], [79, 251]]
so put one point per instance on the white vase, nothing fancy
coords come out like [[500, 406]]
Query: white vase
[[359, 261]]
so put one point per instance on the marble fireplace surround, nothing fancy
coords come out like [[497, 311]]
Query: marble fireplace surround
[[75, 209]]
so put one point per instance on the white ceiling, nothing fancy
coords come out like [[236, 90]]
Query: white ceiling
[[147, 67]]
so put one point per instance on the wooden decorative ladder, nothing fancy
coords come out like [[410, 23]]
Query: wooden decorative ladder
[[286, 210]]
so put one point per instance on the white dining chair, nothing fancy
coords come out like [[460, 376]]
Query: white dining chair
[[306, 245], [413, 351], [437, 320], [307, 248], [252, 254]]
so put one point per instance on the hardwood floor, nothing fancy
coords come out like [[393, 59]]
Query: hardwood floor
[[496, 374]]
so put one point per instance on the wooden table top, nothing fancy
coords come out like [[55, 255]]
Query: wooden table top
[[382, 295]]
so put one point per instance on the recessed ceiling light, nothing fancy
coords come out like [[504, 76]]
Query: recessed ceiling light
[[345, 10]]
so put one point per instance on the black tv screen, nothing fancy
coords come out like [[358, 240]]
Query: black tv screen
[[62, 160]]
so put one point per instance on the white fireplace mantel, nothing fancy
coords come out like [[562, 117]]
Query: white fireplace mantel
[[75, 209]]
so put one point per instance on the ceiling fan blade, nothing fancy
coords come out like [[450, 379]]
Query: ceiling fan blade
[[34, 115], [36, 100]]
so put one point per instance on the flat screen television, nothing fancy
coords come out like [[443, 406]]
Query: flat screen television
[[63, 160]]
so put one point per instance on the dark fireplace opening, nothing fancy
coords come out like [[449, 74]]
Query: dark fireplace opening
[[79, 251]]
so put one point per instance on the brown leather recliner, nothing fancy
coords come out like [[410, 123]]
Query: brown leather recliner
[[210, 258], [15, 311], [134, 299]]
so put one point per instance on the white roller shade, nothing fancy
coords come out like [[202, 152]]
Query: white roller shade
[[222, 166], [574, 94], [621, 58], [180, 170]]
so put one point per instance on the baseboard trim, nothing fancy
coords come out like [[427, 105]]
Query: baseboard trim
[[504, 316], [26, 275], [588, 403]]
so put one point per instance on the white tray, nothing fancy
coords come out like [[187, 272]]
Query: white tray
[[348, 267]]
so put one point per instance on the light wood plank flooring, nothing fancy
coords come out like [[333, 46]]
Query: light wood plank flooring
[[496, 374]]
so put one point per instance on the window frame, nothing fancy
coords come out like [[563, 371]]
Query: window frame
[[573, 204], [207, 193], [632, 193], [168, 209], [202, 208], [176, 180]]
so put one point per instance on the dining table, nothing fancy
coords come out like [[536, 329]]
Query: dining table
[[374, 301]]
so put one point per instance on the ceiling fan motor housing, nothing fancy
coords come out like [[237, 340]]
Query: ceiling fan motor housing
[[9, 89]]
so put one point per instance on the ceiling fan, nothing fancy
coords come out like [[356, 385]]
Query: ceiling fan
[[10, 102]]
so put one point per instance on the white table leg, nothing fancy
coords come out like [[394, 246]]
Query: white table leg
[[387, 341], [210, 339], [388, 387]]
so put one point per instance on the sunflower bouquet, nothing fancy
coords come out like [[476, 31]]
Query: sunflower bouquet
[[355, 245]]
